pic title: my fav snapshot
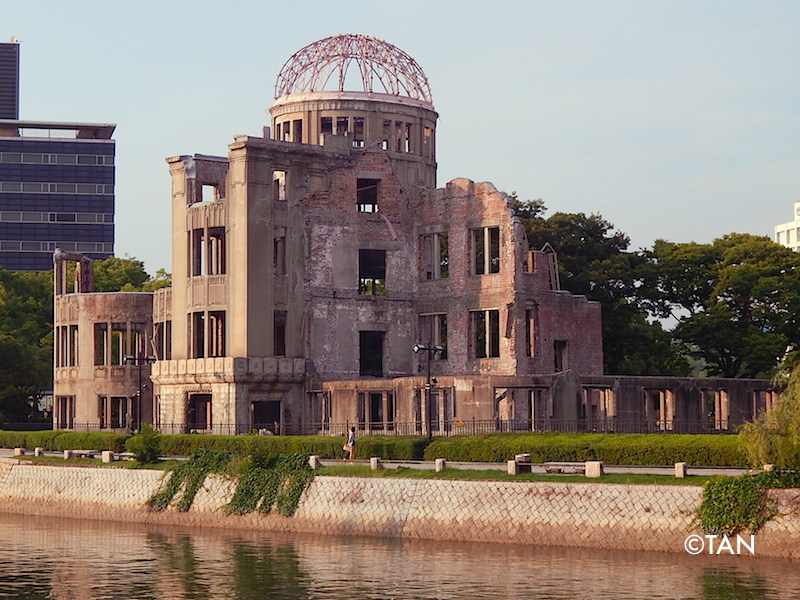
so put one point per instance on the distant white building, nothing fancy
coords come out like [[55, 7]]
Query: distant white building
[[788, 234]]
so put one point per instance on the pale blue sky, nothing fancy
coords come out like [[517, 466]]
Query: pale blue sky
[[676, 120]]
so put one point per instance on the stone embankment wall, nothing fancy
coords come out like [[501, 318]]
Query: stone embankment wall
[[595, 515]]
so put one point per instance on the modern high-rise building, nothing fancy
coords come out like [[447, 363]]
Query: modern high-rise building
[[56, 182]]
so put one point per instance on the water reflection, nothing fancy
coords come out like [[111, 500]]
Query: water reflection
[[80, 560]]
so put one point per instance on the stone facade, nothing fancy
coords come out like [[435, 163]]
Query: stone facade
[[591, 515]]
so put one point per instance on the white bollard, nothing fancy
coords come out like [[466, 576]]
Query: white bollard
[[440, 465], [19, 451], [680, 470], [313, 462], [769, 467], [375, 463], [513, 467], [38, 451], [108, 456], [67, 454]]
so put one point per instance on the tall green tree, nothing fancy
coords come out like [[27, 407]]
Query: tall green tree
[[26, 341], [735, 301], [119, 274]]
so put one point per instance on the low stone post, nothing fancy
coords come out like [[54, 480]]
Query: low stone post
[[769, 467], [440, 465], [594, 468], [375, 463], [513, 467], [108, 456], [313, 462], [680, 470], [19, 451], [38, 451], [67, 454]]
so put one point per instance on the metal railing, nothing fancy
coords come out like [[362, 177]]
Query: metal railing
[[449, 428]]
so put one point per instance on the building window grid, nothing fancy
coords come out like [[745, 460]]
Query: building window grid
[[38, 158], [39, 187]]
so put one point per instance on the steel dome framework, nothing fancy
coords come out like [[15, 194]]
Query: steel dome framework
[[383, 68]]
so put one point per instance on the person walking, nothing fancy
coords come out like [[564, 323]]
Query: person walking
[[350, 446]]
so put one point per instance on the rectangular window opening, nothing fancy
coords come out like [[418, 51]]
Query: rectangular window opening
[[119, 345], [197, 331], [372, 272], [100, 343], [216, 251], [485, 333], [486, 250], [326, 125], [279, 332], [279, 186], [199, 411], [433, 329], [370, 353], [216, 333], [560, 355], [358, 132], [436, 259], [198, 252], [367, 195], [279, 255]]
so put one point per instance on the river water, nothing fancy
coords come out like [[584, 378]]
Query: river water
[[87, 560]]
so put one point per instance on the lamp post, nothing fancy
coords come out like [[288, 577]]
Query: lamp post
[[140, 360], [430, 353]]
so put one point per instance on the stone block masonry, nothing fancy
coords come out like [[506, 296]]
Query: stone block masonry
[[591, 515]]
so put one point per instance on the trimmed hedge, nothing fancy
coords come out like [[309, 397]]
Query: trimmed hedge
[[613, 449], [64, 440], [398, 448]]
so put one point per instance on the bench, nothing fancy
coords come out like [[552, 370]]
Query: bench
[[565, 468]]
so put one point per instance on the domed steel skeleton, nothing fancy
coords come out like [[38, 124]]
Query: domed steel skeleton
[[384, 68]]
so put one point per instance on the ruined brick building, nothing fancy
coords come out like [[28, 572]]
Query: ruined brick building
[[321, 279]]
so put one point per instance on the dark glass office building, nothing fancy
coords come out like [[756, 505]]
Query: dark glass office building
[[56, 188]]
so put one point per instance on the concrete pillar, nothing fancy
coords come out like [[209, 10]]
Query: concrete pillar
[[38, 451], [67, 454], [594, 468], [19, 451], [680, 470], [513, 467], [769, 467], [108, 456], [375, 463], [313, 462], [440, 465]]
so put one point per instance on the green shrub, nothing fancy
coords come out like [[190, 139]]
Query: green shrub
[[90, 440], [145, 446], [613, 449], [13, 439], [388, 447]]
